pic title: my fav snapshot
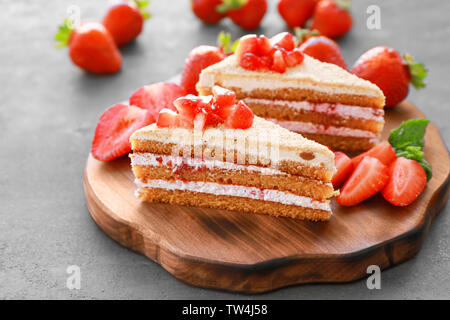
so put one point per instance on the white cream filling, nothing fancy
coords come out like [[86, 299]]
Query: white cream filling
[[249, 84], [341, 110], [236, 191], [314, 128]]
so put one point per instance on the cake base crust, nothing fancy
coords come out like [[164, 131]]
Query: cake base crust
[[188, 198], [342, 143]]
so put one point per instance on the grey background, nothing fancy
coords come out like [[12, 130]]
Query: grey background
[[49, 109]]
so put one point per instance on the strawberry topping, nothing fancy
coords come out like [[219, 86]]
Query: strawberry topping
[[276, 54], [201, 111]]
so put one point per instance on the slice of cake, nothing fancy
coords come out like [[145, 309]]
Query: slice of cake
[[319, 100], [215, 153]]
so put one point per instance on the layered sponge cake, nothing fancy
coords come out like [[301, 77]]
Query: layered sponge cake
[[319, 100], [231, 160]]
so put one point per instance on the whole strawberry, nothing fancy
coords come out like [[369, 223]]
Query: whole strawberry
[[91, 47], [296, 12], [323, 49], [206, 10], [247, 14], [332, 18], [125, 20], [198, 59], [385, 67]]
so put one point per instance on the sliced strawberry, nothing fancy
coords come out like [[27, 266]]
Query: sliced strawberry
[[198, 59], [114, 128], [294, 58], [241, 117], [407, 181], [188, 106], [382, 151], [279, 65], [224, 98], [156, 97], [369, 177], [200, 121], [251, 62], [344, 167], [284, 40], [265, 46], [167, 118]]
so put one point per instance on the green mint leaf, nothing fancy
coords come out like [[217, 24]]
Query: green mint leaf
[[410, 133]]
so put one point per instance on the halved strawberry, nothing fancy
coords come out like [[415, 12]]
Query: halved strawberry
[[265, 46], [114, 128], [407, 181], [156, 97], [283, 40], [167, 118], [224, 98], [241, 117], [344, 167], [279, 65], [382, 151], [369, 177]]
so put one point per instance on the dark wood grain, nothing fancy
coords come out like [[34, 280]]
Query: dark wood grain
[[257, 253]]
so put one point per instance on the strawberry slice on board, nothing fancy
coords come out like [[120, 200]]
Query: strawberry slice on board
[[369, 177], [344, 167], [155, 97], [114, 128], [407, 181], [382, 151]]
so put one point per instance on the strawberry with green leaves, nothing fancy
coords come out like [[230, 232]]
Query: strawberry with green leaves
[[125, 20], [206, 10], [391, 72], [247, 14], [91, 47], [332, 18]]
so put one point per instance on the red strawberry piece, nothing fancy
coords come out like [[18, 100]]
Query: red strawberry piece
[[91, 47], [187, 106], [247, 14], [114, 128], [283, 40], [296, 12], [224, 98], [294, 58], [198, 59], [157, 96], [368, 178], [279, 64], [332, 18], [323, 49], [344, 167], [265, 46], [407, 181], [206, 10], [382, 151], [167, 118], [385, 67], [241, 117], [200, 121], [125, 21]]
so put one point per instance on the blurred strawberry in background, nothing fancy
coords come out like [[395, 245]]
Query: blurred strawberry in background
[[386, 68], [296, 12], [332, 18], [91, 47], [125, 20], [247, 14], [206, 10]]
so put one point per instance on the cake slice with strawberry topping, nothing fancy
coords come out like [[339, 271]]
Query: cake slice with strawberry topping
[[212, 151]]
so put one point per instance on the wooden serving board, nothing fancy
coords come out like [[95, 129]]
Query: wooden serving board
[[256, 253]]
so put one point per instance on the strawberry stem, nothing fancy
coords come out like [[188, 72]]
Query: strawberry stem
[[344, 4], [63, 35], [224, 42], [227, 5], [417, 70], [142, 6], [303, 34]]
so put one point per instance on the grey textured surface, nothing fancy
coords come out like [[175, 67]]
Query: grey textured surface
[[49, 110]]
